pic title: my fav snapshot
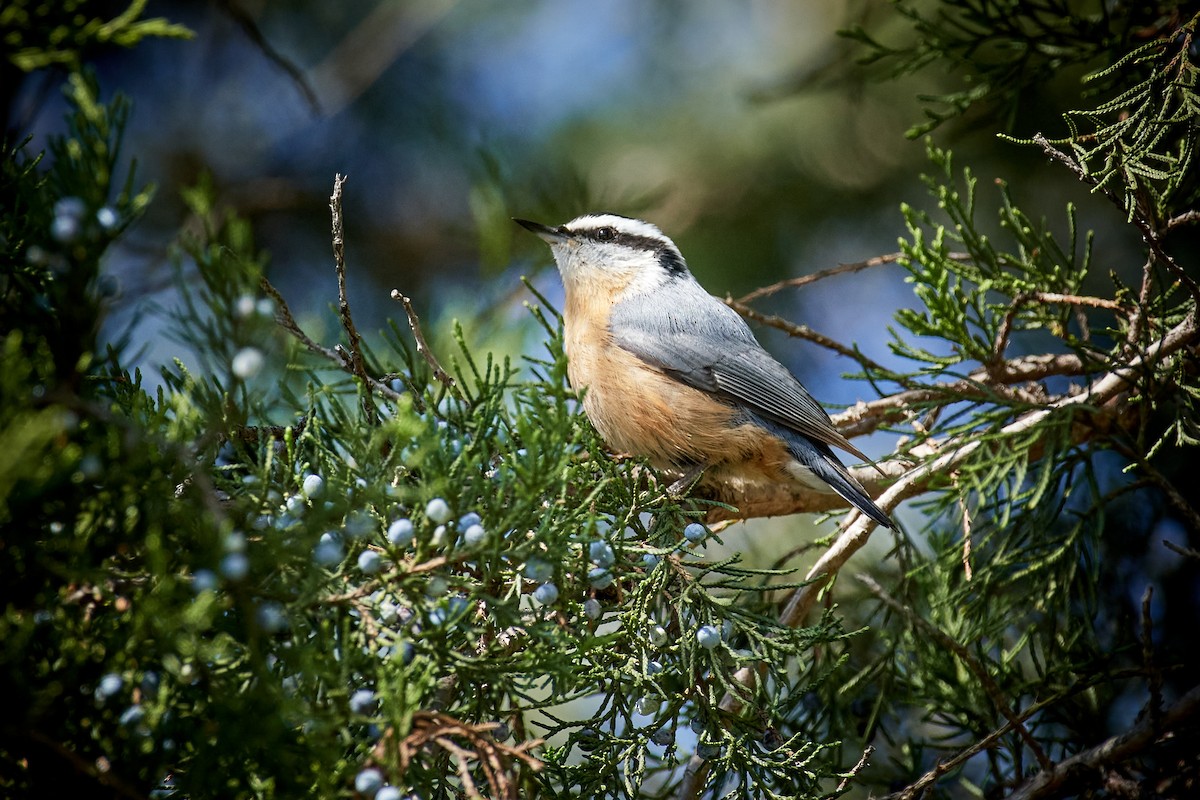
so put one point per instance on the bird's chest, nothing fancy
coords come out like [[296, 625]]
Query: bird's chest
[[637, 408]]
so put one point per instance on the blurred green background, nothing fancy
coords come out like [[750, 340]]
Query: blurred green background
[[746, 131]]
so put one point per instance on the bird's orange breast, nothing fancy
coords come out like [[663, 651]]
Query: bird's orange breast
[[639, 409]]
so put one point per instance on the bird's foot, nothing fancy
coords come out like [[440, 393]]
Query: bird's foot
[[680, 486]]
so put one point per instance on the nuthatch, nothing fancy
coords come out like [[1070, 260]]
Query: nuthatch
[[673, 374]]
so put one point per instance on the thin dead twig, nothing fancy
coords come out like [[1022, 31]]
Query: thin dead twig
[[840, 269], [467, 743], [1074, 300], [1186, 218], [255, 34], [340, 358], [803, 332], [358, 364], [283, 316], [804, 280], [1154, 703], [1186, 552], [857, 768], [414, 324]]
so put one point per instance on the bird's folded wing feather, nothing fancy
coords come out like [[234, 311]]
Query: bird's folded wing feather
[[719, 354]]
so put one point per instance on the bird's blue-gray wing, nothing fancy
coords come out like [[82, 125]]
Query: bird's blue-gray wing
[[706, 345]]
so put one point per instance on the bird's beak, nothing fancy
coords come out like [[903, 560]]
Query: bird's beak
[[549, 235]]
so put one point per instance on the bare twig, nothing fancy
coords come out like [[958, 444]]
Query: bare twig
[[804, 280], [919, 788], [803, 332], [340, 358], [283, 315], [467, 743], [358, 364], [1186, 218], [1001, 343], [1186, 552], [1154, 703], [966, 528], [1077, 300], [994, 693], [414, 324], [857, 768], [1059, 780], [255, 34], [840, 269], [1137, 320], [1189, 513], [1074, 300]]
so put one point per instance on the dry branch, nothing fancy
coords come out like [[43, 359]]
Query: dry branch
[[471, 745]]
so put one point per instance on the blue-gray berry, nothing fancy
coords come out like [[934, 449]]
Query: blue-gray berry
[[600, 578], [362, 701], [602, 554], [370, 562], [546, 594], [400, 532], [368, 782], [235, 566], [438, 510], [313, 486], [474, 535], [109, 685]]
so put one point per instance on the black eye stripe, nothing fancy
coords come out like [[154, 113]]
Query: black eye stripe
[[668, 256], [611, 235]]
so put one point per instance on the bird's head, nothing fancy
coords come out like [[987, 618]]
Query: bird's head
[[613, 254]]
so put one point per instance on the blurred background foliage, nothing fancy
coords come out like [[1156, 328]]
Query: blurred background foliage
[[770, 140], [742, 130]]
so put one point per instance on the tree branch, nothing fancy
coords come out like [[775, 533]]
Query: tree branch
[[803, 332], [761, 500], [283, 316], [1064, 776], [857, 527]]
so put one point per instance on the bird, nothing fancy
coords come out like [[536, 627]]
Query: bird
[[672, 374]]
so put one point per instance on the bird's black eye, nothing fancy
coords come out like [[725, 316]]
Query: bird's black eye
[[606, 234]]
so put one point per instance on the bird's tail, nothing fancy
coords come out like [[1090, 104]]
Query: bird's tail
[[819, 459]]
